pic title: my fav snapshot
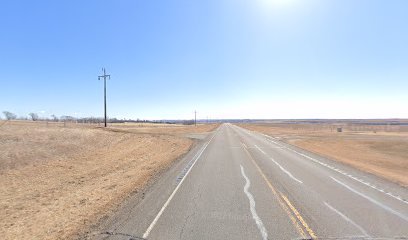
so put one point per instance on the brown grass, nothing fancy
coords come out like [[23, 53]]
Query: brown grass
[[172, 129], [380, 150], [56, 181]]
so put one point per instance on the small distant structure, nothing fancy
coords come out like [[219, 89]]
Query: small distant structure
[[339, 129]]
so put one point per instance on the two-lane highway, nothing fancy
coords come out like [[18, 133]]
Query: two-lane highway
[[240, 184]]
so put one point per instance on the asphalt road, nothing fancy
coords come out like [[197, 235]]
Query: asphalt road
[[239, 184]]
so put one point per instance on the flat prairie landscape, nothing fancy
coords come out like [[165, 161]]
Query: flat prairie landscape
[[378, 149], [58, 179]]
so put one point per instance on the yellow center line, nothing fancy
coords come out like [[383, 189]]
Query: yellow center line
[[296, 212], [283, 205]]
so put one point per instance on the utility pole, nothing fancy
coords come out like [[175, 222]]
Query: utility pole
[[104, 76], [195, 118]]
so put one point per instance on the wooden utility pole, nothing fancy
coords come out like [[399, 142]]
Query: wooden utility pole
[[104, 76]]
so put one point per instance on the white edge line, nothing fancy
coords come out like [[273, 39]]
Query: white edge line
[[402, 216], [347, 219], [149, 229], [339, 171], [255, 216], [348, 175], [335, 169]]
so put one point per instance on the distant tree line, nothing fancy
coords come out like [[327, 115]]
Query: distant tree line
[[9, 115], [188, 122], [66, 118]]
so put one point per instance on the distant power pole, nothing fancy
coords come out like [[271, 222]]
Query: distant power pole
[[104, 76], [195, 118]]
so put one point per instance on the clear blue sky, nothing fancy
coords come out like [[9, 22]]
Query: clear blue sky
[[224, 58]]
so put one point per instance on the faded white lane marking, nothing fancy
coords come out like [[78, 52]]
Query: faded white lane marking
[[287, 172], [397, 197], [385, 207], [255, 216], [260, 149], [282, 168], [197, 156], [347, 219]]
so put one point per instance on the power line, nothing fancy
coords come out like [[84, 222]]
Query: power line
[[104, 76]]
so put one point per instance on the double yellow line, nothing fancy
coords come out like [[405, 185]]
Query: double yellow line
[[285, 204]]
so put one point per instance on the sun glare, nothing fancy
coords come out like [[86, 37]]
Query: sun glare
[[275, 3]]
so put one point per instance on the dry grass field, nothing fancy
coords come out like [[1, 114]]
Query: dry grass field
[[56, 181], [381, 150]]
